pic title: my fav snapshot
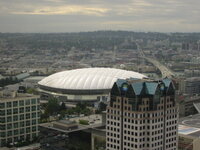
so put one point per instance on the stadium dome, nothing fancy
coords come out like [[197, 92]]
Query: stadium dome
[[86, 81]]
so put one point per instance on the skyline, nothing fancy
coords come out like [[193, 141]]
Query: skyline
[[91, 15]]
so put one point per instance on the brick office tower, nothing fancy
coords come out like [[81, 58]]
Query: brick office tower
[[142, 115]]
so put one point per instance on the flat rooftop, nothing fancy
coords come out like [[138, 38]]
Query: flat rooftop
[[15, 95], [187, 130], [190, 125], [95, 121], [192, 121]]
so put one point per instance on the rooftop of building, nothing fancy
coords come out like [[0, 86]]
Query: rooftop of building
[[188, 130], [144, 86], [14, 95], [66, 122], [35, 78], [190, 125], [88, 78], [22, 76], [192, 121]]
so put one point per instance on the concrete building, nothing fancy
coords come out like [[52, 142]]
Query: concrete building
[[142, 115], [188, 138], [191, 72], [189, 133], [19, 115], [65, 125], [189, 86], [192, 85], [189, 105]]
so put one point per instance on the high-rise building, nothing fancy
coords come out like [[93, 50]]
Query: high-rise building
[[19, 115], [142, 115]]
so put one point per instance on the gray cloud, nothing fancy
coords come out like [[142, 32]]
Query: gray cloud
[[86, 15]]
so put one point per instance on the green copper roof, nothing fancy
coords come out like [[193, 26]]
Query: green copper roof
[[137, 87], [144, 87], [119, 82], [151, 87], [167, 82]]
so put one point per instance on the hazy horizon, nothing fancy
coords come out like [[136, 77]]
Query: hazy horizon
[[96, 31], [61, 16]]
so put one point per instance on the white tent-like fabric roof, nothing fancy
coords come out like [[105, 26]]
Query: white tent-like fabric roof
[[88, 78]]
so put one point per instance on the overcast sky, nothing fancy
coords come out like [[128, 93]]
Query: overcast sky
[[90, 15]]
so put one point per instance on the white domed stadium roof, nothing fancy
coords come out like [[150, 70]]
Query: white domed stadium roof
[[87, 78]]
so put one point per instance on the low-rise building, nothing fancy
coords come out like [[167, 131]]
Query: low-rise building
[[188, 142], [189, 133], [189, 105], [189, 86], [65, 125]]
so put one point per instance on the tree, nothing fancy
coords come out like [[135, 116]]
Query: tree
[[44, 117], [52, 107], [84, 122], [62, 114], [102, 106], [7, 81], [81, 105], [62, 106], [31, 91]]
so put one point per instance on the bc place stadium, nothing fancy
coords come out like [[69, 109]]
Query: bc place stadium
[[87, 84]]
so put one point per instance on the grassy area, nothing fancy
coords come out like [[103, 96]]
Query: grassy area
[[84, 122]]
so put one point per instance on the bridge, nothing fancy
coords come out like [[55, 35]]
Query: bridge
[[166, 72]]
